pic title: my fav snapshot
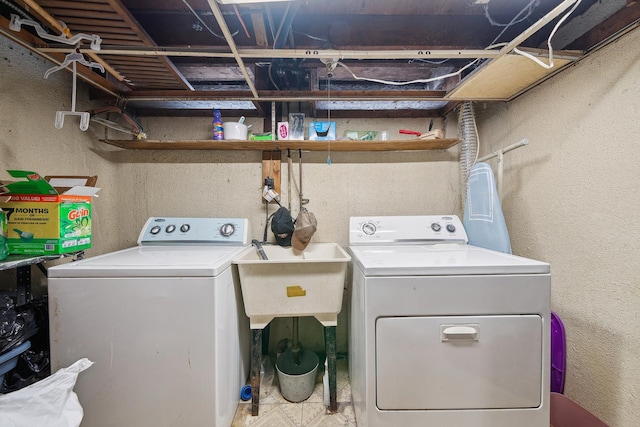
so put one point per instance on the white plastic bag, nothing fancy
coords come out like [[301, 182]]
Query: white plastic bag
[[49, 402]]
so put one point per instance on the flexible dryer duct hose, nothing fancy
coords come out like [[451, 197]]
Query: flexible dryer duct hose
[[469, 145]]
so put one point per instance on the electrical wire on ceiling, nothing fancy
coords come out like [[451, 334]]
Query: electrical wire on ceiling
[[320, 39], [204, 24], [553, 32], [516, 19], [429, 80], [527, 9], [17, 9]]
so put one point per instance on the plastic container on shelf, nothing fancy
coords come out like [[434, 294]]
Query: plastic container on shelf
[[235, 131], [218, 129]]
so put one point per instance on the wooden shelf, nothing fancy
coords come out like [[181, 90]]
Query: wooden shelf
[[399, 145]]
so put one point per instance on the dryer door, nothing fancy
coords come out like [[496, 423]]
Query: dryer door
[[459, 362]]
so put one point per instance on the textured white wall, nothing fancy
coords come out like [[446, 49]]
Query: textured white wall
[[572, 198]]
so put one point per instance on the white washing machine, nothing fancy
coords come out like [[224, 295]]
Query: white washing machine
[[164, 323], [443, 333]]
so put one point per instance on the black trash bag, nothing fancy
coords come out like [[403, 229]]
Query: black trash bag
[[35, 363], [17, 324]]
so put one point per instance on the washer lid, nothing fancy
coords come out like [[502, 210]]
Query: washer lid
[[440, 259], [152, 261]]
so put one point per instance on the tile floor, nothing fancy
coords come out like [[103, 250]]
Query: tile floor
[[275, 411]]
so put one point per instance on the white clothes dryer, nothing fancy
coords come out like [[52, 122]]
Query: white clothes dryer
[[443, 333], [164, 323]]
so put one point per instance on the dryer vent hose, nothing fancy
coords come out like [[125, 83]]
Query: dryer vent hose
[[469, 145]]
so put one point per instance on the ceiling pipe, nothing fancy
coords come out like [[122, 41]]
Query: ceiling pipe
[[284, 30], [232, 44]]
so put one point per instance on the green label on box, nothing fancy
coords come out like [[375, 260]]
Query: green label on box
[[75, 220], [4, 245]]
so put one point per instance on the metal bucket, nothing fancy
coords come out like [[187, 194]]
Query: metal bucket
[[297, 381]]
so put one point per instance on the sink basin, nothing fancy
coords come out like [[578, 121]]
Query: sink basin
[[293, 283]]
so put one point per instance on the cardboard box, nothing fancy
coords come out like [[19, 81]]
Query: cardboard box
[[42, 222]]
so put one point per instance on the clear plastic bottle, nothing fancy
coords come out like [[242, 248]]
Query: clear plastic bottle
[[218, 130]]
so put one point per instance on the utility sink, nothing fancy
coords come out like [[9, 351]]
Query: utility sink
[[293, 283]]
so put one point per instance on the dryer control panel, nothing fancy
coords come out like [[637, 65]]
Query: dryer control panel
[[196, 231], [419, 229]]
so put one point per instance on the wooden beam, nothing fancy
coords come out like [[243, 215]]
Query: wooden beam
[[285, 96], [259, 30], [271, 167], [124, 14], [398, 145], [626, 17]]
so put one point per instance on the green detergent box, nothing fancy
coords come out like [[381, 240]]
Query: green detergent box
[[42, 222]]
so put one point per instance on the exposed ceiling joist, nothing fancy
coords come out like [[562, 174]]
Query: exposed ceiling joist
[[190, 54]]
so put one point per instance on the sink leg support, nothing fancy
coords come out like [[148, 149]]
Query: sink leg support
[[330, 348], [256, 362]]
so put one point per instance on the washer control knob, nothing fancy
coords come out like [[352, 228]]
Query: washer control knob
[[155, 229], [227, 230], [185, 227], [436, 227], [369, 228], [170, 228], [451, 228]]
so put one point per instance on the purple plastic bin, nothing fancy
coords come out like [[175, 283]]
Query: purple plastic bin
[[558, 354]]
